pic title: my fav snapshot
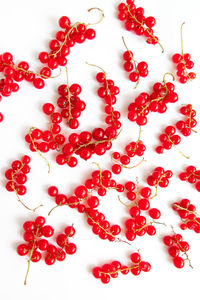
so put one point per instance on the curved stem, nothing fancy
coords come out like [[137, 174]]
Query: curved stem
[[101, 17], [92, 65], [127, 205], [66, 204], [168, 73], [131, 55], [31, 129], [178, 148], [181, 152], [53, 209], [126, 167], [18, 198]]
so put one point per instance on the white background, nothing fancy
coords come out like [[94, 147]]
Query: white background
[[26, 28]]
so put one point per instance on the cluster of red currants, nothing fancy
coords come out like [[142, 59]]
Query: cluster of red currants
[[101, 227], [176, 247], [187, 212], [159, 177], [46, 140], [162, 94], [35, 244], [65, 39], [135, 70], [14, 74], [99, 141], [135, 148], [136, 21], [137, 225], [186, 126], [86, 203], [168, 139], [17, 72], [70, 104], [134, 192], [34, 230], [183, 64], [108, 271], [17, 175], [191, 175], [123, 160], [82, 199], [59, 49]]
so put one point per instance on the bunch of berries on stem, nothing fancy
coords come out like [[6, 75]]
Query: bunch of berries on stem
[[187, 212], [135, 69], [177, 249], [145, 103], [135, 21], [113, 269], [132, 149], [183, 63], [191, 175], [186, 126]]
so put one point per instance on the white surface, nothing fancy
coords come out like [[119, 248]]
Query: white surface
[[26, 28]]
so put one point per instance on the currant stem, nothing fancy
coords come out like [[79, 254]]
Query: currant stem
[[182, 39], [31, 253], [101, 17], [65, 40], [123, 39], [153, 100], [58, 205], [127, 205], [168, 73], [182, 208], [126, 167], [126, 269], [69, 95], [150, 223], [31, 129], [92, 65], [131, 55], [18, 198], [137, 83], [177, 148], [181, 152]]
